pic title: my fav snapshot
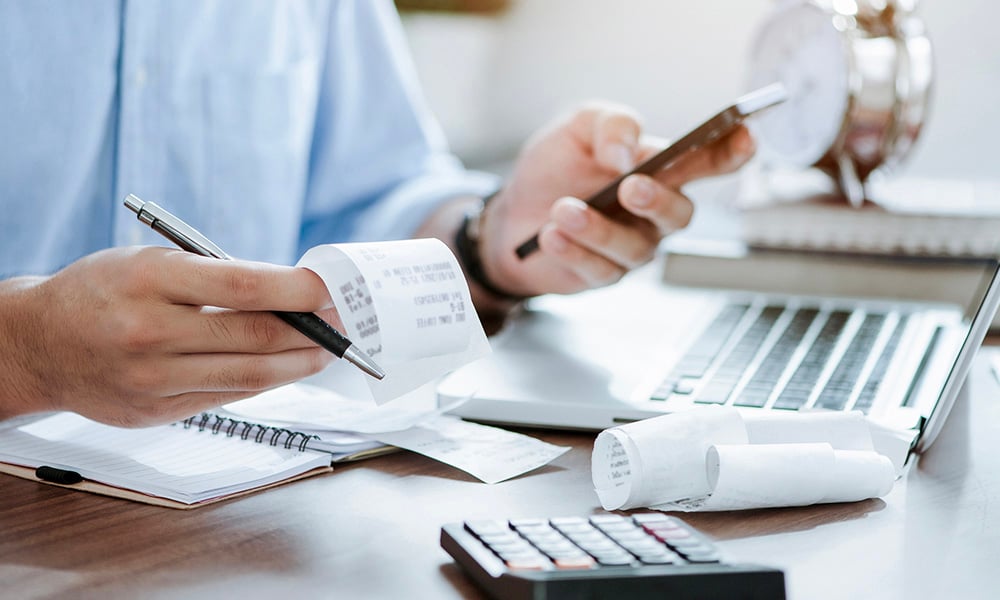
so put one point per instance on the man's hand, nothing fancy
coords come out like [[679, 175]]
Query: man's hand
[[579, 248], [135, 336]]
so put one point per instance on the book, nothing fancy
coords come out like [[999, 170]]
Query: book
[[906, 216], [199, 461]]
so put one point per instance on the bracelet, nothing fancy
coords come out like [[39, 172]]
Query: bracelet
[[467, 249]]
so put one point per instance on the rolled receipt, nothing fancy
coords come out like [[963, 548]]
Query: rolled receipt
[[406, 305], [713, 458]]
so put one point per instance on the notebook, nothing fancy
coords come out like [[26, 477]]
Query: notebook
[[199, 461], [892, 338]]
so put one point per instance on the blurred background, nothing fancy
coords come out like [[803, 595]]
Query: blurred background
[[495, 70]]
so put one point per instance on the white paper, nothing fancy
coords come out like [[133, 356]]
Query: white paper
[[487, 453], [654, 464], [304, 406], [406, 305], [714, 458]]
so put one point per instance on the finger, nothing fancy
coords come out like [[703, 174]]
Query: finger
[[185, 373], [628, 245], [583, 268], [186, 278], [616, 141], [209, 330], [611, 134], [160, 411], [665, 207], [724, 156]]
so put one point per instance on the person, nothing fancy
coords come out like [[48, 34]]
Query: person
[[272, 127]]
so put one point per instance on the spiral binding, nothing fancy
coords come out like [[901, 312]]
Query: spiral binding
[[261, 434]]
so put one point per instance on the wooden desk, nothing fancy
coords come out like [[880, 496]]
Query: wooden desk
[[370, 530]]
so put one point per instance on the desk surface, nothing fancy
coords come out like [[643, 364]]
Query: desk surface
[[370, 529]]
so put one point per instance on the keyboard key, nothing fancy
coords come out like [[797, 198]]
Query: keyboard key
[[699, 357], [871, 387], [838, 388], [722, 383], [798, 389]]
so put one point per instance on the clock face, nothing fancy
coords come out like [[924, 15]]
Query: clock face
[[800, 47]]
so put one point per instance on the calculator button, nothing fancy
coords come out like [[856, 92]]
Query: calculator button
[[577, 562], [688, 542], [600, 520], [510, 547], [500, 538], [628, 536], [530, 564], [644, 518], [619, 526], [573, 552], [481, 528], [558, 522], [522, 555], [660, 559], [557, 546], [671, 535], [574, 528], [518, 523], [702, 557], [615, 560], [644, 546]]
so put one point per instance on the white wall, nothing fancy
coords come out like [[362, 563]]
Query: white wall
[[494, 81]]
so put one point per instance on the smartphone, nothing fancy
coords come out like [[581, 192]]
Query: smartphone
[[723, 123]]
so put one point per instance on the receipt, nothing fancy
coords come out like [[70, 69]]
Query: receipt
[[309, 407], [488, 453], [714, 458], [406, 305]]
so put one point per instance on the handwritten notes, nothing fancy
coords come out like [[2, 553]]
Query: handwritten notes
[[405, 304], [714, 458]]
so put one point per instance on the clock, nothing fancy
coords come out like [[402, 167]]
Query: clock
[[858, 75]]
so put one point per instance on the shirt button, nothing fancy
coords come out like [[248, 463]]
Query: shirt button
[[141, 77], [135, 236]]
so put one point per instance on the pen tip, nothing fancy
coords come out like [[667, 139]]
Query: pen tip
[[363, 362]]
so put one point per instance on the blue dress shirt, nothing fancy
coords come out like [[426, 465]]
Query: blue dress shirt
[[270, 126]]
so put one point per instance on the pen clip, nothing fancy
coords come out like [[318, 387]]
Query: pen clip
[[173, 228]]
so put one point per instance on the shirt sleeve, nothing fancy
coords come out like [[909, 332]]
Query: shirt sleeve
[[379, 163]]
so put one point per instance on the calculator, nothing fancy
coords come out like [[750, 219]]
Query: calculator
[[650, 555]]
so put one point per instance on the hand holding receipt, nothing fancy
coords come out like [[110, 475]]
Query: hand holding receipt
[[310, 325], [722, 123]]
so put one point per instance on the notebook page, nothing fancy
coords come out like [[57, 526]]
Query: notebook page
[[170, 461]]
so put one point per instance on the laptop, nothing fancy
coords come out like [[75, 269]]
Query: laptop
[[766, 331]]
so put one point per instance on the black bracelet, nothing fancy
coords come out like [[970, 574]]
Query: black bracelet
[[467, 249]]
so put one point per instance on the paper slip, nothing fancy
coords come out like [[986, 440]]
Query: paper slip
[[714, 458], [406, 305], [488, 453], [304, 406]]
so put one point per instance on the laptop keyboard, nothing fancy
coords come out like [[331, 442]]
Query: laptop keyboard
[[787, 358]]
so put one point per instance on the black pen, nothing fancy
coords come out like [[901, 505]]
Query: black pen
[[309, 324]]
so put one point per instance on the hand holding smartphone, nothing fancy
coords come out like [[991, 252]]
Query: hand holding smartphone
[[723, 123]]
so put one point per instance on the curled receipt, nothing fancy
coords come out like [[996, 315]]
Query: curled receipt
[[714, 458], [406, 305]]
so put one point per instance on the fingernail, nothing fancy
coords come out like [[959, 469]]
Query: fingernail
[[641, 195], [744, 147], [571, 214], [622, 157]]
